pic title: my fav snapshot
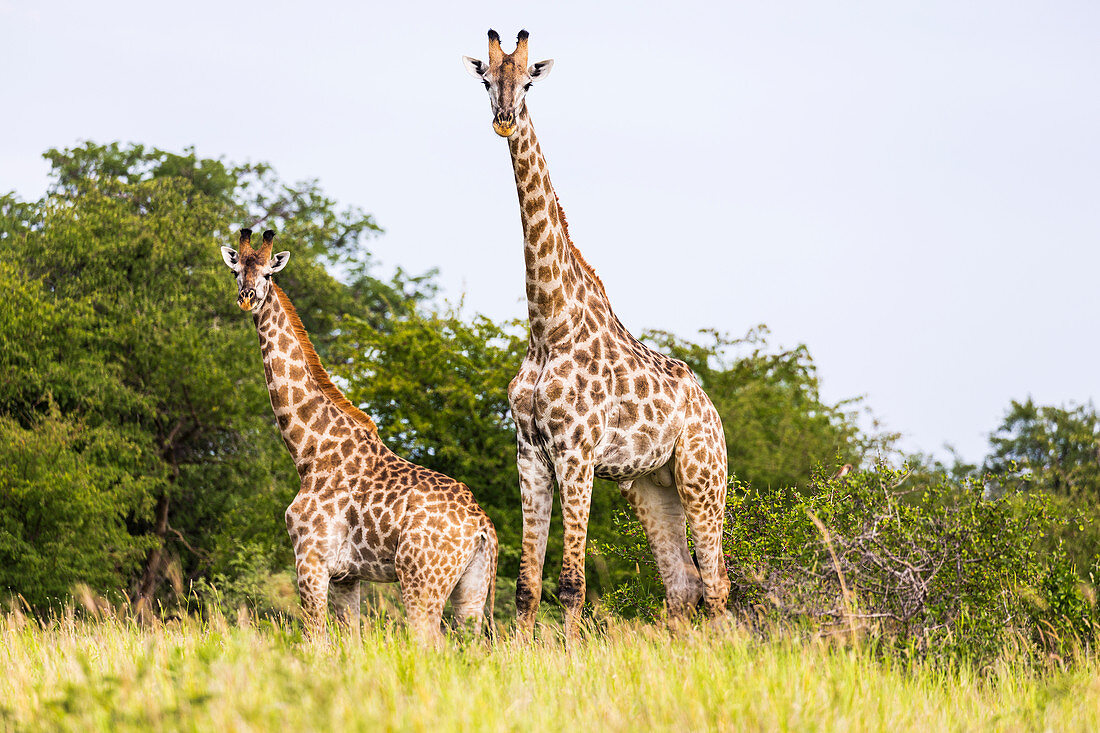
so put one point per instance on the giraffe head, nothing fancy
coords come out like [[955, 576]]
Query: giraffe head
[[507, 78], [254, 268]]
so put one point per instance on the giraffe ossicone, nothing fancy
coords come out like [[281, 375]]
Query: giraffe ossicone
[[362, 512], [590, 400]]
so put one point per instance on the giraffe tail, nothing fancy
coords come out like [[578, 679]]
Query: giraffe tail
[[490, 545]]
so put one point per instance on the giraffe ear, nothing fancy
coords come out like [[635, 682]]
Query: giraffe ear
[[278, 262], [230, 256], [541, 70], [476, 68]]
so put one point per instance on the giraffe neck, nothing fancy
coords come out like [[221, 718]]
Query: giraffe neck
[[559, 283], [308, 407]]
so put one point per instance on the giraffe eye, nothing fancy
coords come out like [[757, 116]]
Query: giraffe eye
[[526, 86], [485, 83]]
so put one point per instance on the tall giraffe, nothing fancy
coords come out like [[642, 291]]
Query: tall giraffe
[[362, 513], [591, 401]]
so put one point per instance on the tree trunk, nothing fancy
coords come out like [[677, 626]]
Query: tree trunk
[[154, 564]]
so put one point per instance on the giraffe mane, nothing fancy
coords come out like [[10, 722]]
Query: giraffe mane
[[316, 370], [576, 252]]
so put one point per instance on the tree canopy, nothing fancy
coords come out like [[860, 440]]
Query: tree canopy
[[1054, 448]]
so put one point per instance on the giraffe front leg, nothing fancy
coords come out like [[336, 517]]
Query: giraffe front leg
[[575, 474], [345, 600], [537, 496]]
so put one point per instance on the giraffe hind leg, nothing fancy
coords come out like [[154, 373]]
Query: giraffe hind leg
[[700, 471], [475, 586], [344, 596], [659, 510], [428, 573]]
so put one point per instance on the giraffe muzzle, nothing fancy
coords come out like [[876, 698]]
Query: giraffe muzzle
[[244, 300], [505, 125]]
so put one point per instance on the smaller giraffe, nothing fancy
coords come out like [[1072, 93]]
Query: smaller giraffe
[[362, 513]]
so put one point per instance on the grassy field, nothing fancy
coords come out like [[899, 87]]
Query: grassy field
[[218, 675]]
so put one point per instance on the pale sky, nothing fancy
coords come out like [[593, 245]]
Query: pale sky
[[912, 189]]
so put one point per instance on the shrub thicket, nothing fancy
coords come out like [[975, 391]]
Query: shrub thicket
[[933, 569]]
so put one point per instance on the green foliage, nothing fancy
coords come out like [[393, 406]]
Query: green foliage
[[246, 581], [937, 572], [65, 492], [45, 352], [1053, 449], [1056, 451]]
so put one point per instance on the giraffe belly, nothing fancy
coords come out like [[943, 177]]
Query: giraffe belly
[[624, 456], [632, 446], [376, 572], [627, 439], [367, 563], [365, 552]]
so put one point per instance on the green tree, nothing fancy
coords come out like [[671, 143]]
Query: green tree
[[777, 427], [128, 336], [66, 491], [1055, 449]]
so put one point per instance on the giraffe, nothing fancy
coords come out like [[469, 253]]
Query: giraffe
[[362, 512], [590, 400]]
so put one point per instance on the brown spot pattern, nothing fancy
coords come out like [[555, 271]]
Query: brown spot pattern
[[362, 512], [590, 400]]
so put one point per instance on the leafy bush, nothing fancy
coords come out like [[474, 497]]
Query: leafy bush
[[248, 582], [932, 570], [65, 492]]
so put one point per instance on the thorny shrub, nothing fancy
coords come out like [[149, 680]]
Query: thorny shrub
[[936, 569]]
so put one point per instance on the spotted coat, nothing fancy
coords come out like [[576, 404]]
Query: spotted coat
[[590, 400], [362, 512]]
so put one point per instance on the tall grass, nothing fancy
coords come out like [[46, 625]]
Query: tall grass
[[114, 674]]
